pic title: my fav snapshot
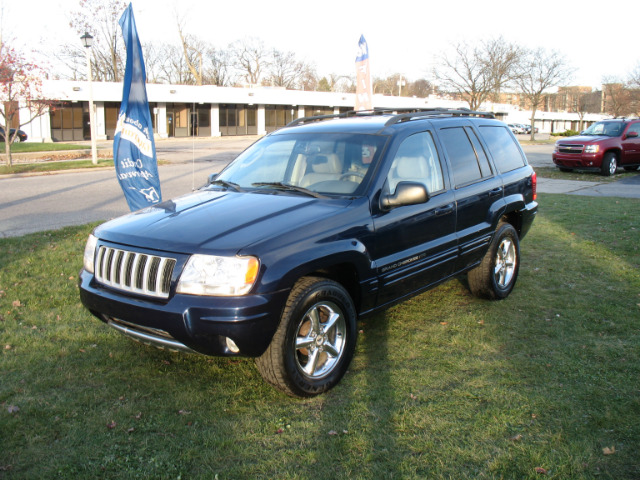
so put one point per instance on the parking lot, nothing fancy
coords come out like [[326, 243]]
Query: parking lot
[[44, 202]]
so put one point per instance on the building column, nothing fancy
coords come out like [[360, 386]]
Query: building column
[[39, 128], [160, 112], [101, 127], [215, 120], [262, 120]]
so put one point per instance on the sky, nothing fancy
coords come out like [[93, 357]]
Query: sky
[[403, 37]]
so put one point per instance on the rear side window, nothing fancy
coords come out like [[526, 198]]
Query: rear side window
[[467, 156], [506, 154]]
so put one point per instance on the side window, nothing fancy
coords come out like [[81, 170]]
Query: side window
[[503, 147], [468, 159], [634, 128], [417, 161]]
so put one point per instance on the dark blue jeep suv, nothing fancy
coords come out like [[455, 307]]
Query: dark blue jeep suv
[[312, 227]]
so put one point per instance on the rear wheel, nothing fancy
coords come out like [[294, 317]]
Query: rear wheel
[[609, 164], [496, 275], [315, 341]]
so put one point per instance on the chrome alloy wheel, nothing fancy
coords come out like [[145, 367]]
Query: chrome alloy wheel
[[505, 262], [320, 339], [613, 166]]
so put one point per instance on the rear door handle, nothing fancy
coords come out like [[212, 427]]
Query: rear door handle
[[495, 191], [444, 210]]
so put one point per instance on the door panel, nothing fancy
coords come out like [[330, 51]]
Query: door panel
[[415, 245]]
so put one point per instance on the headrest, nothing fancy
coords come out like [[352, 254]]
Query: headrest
[[407, 167], [329, 163]]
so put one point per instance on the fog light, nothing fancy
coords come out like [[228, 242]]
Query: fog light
[[231, 345]]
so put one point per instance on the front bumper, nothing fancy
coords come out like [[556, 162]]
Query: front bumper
[[188, 322], [584, 161]]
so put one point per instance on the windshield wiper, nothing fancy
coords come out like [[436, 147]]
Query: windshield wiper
[[233, 186], [289, 188]]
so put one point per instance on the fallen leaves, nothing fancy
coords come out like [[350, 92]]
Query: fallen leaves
[[609, 450], [17, 303], [13, 409], [541, 470]]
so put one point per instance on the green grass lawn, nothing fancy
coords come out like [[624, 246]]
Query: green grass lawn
[[553, 172], [53, 166], [544, 384], [41, 147]]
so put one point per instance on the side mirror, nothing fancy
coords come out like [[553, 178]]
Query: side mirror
[[632, 135], [407, 193], [212, 178]]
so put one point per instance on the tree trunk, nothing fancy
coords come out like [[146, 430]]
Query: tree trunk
[[533, 126], [7, 149]]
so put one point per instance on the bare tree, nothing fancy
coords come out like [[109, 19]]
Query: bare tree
[[217, 67], [477, 72], [581, 100], [617, 97], [174, 68], [249, 58], [538, 71], [100, 19], [193, 50], [308, 77], [421, 88], [283, 69]]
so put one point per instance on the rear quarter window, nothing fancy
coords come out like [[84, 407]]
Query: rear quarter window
[[503, 147]]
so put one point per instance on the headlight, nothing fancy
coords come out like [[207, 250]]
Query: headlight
[[592, 149], [211, 275], [90, 253]]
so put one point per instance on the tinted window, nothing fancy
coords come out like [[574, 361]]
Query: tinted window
[[485, 169], [461, 154], [417, 161], [506, 154]]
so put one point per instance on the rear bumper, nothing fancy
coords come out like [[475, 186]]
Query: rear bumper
[[188, 322], [528, 215]]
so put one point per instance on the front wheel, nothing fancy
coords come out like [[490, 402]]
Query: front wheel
[[496, 275], [609, 164], [315, 341]]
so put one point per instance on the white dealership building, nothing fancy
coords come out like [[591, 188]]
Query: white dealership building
[[211, 111]]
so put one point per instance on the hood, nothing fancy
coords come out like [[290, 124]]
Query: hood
[[221, 222], [582, 139]]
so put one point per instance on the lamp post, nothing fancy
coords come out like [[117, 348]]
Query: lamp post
[[87, 42], [401, 83]]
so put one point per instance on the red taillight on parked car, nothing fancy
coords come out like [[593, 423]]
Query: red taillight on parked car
[[534, 185]]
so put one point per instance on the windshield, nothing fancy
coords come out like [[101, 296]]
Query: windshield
[[312, 163], [608, 129]]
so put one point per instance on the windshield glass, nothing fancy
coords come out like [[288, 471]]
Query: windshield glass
[[608, 129], [318, 163]]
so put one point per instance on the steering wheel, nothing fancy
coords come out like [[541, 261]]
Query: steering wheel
[[344, 176]]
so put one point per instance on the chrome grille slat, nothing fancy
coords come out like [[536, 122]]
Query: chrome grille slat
[[134, 272]]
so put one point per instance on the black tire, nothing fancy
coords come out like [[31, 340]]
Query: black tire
[[565, 169], [496, 275], [315, 341], [609, 164]]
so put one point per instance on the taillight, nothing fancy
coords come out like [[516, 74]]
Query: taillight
[[534, 185]]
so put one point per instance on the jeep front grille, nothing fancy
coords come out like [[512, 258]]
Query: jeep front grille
[[570, 148], [134, 272]]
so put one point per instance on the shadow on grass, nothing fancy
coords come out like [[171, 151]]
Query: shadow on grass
[[442, 386]]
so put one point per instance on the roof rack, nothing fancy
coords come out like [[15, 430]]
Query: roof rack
[[350, 113], [397, 117], [434, 112]]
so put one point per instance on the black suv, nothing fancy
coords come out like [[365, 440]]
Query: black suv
[[312, 227]]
